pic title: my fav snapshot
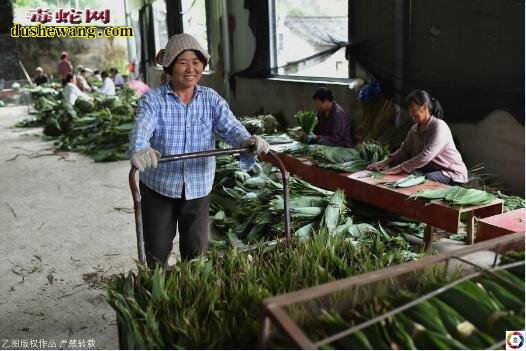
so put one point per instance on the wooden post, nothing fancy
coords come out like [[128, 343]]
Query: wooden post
[[428, 237]]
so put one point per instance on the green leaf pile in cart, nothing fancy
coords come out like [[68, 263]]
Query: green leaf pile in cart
[[348, 159], [457, 195], [462, 314], [261, 215], [214, 302], [307, 120]]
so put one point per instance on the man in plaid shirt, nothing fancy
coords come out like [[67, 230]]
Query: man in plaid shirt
[[181, 117]]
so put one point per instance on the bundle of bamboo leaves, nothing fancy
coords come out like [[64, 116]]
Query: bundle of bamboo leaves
[[307, 120], [214, 302], [261, 216], [473, 314], [457, 195], [348, 159], [407, 182], [260, 124], [382, 122]]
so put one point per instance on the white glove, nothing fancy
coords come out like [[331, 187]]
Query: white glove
[[145, 158], [256, 144]]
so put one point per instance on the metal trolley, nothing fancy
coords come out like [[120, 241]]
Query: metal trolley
[[137, 196], [276, 316]]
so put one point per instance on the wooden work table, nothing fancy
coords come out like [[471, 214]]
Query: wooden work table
[[361, 187]]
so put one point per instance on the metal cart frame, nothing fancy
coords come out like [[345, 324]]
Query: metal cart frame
[[275, 314], [134, 186]]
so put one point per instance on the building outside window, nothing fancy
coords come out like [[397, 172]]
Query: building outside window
[[306, 27], [194, 21], [160, 27]]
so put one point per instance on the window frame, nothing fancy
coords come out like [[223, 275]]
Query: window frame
[[273, 52]]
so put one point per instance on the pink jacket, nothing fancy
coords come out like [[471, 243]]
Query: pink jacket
[[64, 67], [431, 148]]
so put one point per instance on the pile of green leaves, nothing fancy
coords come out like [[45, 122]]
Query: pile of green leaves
[[99, 128], [511, 202], [307, 120], [261, 217], [348, 159], [473, 314], [457, 195], [407, 182], [214, 302], [260, 124]]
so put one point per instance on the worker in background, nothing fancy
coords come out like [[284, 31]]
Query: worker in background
[[97, 76], [107, 88], [117, 78], [82, 81], [180, 117], [40, 77], [429, 147], [64, 66], [333, 126], [71, 91]]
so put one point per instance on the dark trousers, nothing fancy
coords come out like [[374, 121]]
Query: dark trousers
[[439, 177], [162, 215]]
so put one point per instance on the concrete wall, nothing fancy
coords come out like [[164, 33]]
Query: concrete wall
[[498, 142]]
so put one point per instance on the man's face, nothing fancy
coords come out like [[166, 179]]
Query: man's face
[[322, 105]]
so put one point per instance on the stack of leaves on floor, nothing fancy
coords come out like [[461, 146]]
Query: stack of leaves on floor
[[99, 128], [261, 216], [214, 302], [457, 314]]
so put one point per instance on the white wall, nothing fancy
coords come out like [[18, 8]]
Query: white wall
[[498, 142]]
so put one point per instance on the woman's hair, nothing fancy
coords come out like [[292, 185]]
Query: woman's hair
[[104, 74], [421, 97], [68, 79], [200, 56]]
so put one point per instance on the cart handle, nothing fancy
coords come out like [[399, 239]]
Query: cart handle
[[137, 196]]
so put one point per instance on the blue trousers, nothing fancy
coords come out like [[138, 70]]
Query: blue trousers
[[439, 177]]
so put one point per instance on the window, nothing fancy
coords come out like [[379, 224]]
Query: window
[[194, 21], [160, 28], [306, 27]]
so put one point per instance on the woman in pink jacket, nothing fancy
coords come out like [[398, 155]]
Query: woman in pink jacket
[[429, 147]]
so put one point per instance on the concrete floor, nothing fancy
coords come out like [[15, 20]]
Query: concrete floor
[[65, 227]]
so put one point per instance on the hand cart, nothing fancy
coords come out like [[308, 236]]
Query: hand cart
[[134, 186]]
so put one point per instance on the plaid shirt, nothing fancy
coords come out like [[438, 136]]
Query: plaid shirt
[[164, 123]]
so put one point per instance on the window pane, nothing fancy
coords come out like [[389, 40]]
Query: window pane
[[160, 28], [194, 20], [307, 27]]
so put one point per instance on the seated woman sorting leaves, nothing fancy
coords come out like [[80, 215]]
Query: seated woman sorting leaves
[[429, 146]]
